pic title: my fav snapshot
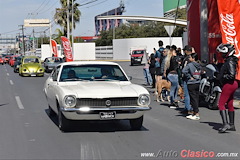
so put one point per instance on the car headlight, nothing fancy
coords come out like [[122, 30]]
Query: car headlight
[[144, 100], [40, 70], [70, 101]]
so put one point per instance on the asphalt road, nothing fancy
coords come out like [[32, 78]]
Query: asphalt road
[[27, 132]]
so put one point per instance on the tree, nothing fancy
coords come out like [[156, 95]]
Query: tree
[[57, 37], [61, 15], [148, 29]]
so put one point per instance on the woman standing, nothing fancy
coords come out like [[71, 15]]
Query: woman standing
[[152, 69], [230, 84], [171, 65], [192, 72]]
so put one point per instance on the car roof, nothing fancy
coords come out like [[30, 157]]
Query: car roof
[[53, 57], [30, 57], [88, 62]]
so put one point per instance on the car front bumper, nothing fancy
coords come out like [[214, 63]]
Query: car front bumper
[[93, 113]]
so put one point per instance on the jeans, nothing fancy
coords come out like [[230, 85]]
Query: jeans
[[147, 76], [173, 78], [186, 96]]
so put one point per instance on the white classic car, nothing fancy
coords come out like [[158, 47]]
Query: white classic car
[[94, 91]]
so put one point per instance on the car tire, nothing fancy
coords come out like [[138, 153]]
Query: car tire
[[51, 113], [63, 123], [136, 124]]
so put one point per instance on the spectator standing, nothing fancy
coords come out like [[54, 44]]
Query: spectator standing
[[146, 72], [188, 109], [152, 69], [171, 66], [192, 73], [158, 57], [230, 84], [165, 52]]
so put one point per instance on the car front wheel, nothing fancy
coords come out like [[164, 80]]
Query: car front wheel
[[63, 123], [136, 124]]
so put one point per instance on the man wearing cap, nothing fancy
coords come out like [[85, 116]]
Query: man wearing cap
[[187, 50]]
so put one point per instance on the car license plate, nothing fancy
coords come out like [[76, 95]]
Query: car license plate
[[107, 115], [33, 75]]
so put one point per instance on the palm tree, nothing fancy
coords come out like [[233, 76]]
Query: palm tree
[[61, 15], [57, 37]]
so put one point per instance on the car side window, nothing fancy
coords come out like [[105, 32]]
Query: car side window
[[55, 73]]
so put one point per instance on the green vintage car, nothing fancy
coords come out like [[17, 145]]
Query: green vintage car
[[31, 66]]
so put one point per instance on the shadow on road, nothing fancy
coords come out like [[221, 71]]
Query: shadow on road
[[97, 126], [214, 125], [4, 104]]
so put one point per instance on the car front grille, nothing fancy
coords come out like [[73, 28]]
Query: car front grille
[[92, 102]]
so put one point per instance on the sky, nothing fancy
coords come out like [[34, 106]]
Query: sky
[[13, 13]]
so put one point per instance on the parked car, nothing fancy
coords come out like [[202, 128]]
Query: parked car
[[51, 62], [31, 66], [94, 91], [17, 64]]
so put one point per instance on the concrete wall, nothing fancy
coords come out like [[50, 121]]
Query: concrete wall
[[121, 47], [84, 51], [45, 51]]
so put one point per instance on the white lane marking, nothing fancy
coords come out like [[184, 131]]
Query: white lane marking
[[7, 74], [11, 82], [19, 103]]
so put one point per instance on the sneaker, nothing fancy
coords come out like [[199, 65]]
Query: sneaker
[[189, 116], [173, 107], [195, 117]]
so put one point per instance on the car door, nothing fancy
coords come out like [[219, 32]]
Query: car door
[[51, 88]]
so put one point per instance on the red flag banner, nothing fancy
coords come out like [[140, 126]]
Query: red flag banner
[[230, 25], [230, 22], [67, 48], [54, 48]]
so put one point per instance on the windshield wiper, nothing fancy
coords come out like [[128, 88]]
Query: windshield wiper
[[73, 79]]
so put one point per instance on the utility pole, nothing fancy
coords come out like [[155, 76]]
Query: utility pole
[[68, 24], [72, 27], [23, 38]]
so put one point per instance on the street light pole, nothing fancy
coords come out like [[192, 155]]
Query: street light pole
[[68, 26], [72, 28]]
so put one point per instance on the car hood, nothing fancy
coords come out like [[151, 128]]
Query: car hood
[[32, 66], [102, 89]]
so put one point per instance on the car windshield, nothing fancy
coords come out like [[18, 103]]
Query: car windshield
[[138, 52], [31, 60], [54, 60], [92, 73]]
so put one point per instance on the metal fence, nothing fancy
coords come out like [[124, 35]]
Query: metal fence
[[104, 53]]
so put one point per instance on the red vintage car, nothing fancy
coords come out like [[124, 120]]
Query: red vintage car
[[7, 57], [2, 60], [12, 60]]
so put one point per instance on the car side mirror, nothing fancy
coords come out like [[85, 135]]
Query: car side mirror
[[130, 78]]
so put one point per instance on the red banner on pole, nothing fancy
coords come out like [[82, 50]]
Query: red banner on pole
[[67, 49], [54, 48], [230, 25], [229, 11]]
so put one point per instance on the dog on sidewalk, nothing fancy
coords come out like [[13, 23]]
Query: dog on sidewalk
[[164, 84]]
